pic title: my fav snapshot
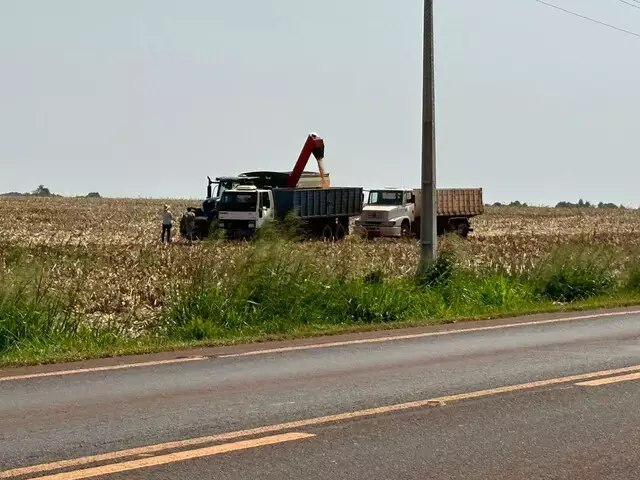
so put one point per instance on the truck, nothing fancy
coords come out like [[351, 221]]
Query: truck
[[394, 212], [241, 205], [207, 213], [323, 212]]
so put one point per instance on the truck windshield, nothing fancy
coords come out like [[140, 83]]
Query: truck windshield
[[381, 197], [239, 201], [222, 185]]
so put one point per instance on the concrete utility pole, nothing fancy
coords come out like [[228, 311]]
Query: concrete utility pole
[[428, 230]]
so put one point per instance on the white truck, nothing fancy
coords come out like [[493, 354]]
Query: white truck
[[395, 212], [245, 203], [323, 212], [245, 209]]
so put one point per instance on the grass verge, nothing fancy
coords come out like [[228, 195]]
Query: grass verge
[[274, 295]]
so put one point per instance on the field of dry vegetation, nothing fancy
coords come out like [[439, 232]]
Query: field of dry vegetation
[[107, 255], [109, 249]]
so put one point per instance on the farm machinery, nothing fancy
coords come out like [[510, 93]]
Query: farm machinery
[[241, 205], [396, 213]]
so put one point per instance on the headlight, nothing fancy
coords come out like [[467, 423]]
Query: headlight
[[252, 224], [221, 224]]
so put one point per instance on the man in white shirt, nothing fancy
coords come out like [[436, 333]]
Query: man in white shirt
[[167, 223]]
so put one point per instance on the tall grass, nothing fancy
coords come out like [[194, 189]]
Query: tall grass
[[577, 273], [29, 315], [632, 282], [37, 324], [272, 292]]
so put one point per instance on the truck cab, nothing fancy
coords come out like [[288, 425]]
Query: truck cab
[[243, 210], [388, 213]]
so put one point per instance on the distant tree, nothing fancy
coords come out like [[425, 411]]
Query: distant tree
[[608, 205], [498, 204], [41, 191], [93, 195], [518, 203], [581, 204]]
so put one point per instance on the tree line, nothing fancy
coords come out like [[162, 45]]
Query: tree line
[[579, 204], [42, 191]]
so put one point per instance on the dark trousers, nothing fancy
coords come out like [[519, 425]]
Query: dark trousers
[[166, 229]]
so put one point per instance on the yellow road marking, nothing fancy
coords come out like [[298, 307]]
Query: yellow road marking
[[100, 369], [298, 424], [609, 380], [175, 457], [425, 335]]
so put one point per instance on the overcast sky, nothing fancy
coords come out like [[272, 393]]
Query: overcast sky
[[147, 97]]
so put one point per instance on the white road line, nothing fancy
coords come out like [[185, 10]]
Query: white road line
[[319, 346], [100, 369], [425, 335]]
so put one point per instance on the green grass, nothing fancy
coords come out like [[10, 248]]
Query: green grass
[[632, 283], [575, 274], [273, 295]]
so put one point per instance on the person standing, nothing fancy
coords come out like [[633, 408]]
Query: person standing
[[189, 224], [167, 223]]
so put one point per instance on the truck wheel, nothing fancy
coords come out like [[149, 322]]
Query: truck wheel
[[340, 232], [327, 233], [345, 222], [463, 230], [415, 228], [405, 229]]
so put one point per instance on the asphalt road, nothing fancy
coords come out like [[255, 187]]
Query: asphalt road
[[548, 397]]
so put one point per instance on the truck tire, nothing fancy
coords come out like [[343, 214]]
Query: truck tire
[[345, 222], [405, 229], [340, 232], [416, 228], [326, 233], [462, 230]]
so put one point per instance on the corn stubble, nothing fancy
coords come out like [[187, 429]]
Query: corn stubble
[[105, 254]]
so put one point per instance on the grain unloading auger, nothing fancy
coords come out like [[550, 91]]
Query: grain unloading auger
[[313, 146], [324, 210]]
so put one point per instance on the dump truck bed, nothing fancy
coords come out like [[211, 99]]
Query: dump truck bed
[[455, 202], [311, 203]]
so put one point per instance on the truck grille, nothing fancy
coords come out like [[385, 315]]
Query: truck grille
[[236, 224]]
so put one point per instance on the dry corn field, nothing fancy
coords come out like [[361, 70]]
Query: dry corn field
[[107, 251]]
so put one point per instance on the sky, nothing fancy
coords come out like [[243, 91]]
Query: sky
[[145, 98]]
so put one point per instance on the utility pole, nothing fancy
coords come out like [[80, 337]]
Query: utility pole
[[428, 230]]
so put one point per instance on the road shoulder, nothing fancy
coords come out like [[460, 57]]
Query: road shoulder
[[177, 356]]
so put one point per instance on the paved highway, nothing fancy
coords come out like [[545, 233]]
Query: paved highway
[[539, 397]]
